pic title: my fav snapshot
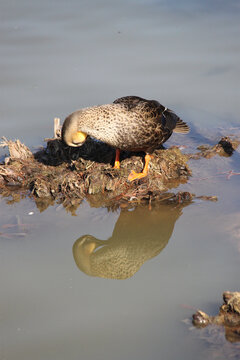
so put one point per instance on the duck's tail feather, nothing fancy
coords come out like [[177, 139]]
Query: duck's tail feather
[[181, 127]]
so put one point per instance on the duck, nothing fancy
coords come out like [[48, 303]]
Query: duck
[[130, 123]]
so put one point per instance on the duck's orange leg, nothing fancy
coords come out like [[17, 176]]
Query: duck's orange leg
[[117, 160], [133, 175]]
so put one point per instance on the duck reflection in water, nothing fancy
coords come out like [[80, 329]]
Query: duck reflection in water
[[139, 235]]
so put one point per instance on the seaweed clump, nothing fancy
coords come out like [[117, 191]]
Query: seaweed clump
[[228, 316], [68, 175]]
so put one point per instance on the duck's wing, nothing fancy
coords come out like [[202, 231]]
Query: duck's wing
[[152, 109], [145, 108]]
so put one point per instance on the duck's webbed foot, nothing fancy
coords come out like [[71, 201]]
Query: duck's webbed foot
[[133, 175]]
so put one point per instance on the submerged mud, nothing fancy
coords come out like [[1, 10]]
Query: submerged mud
[[68, 175]]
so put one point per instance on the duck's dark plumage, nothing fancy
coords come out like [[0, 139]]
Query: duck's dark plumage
[[130, 123]]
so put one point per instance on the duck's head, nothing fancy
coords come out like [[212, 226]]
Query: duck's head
[[70, 131]]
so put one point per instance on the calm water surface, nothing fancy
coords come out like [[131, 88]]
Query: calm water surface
[[119, 285]]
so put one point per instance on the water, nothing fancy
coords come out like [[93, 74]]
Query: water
[[56, 57]]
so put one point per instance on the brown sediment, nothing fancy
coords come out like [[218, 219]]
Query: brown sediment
[[68, 175]]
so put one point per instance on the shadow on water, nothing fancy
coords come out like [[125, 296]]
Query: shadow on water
[[139, 235]]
